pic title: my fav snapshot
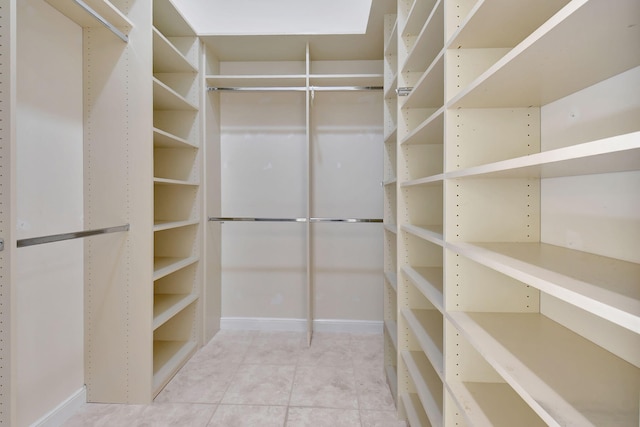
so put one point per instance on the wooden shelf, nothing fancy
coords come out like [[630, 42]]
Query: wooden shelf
[[165, 181], [502, 23], [165, 98], [163, 266], [391, 135], [159, 225], [558, 58], [169, 21], [392, 278], [163, 139], [81, 17], [430, 131], [427, 383], [596, 388], [428, 43], [392, 329], [428, 91], [429, 281], [615, 154], [168, 357], [431, 233], [603, 286], [391, 46], [413, 408], [427, 326], [346, 80], [416, 17], [286, 80], [393, 228], [429, 180], [165, 306], [167, 58], [493, 404], [390, 89], [392, 380]]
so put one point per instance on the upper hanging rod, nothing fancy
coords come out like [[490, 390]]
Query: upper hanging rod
[[68, 236], [102, 20], [293, 88], [314, 219]]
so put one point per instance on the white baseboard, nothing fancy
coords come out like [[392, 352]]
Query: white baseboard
[[300, 325], [65, 410]]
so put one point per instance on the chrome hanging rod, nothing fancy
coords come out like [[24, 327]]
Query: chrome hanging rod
[[314, 219], [102, 20], [68, 236], [293, 88]]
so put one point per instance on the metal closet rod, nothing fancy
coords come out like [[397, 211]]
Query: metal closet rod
[[313, 219], [293, 88], [102, 20], [68, 236]]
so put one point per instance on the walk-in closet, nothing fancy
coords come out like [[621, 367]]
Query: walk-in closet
[[368, 213]]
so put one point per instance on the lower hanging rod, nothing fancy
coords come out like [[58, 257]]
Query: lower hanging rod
[[68, 236], [293, 88], [313, 219]]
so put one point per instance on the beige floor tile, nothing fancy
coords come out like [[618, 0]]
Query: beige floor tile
[[275, 348], [198, 382], [322, 417], [248, 416], [226, 347], [260, 385], [325, 352], [380, 419], [373, 391], [324, 386], [106, 415], [176, 414]]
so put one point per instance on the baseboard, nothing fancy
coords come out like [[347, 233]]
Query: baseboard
[[65, 410], [300, 325]]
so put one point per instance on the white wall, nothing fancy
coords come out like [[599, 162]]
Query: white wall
[[48, 278]]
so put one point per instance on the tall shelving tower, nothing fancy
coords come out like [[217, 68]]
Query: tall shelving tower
[[518, 167]]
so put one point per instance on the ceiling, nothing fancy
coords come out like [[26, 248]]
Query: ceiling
[[344, 43]]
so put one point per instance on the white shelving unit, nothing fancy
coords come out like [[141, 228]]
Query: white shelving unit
[[390, 185], [517, 173], [178, 221]]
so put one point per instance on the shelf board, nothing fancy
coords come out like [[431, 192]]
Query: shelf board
[[104, 8], [492, 405], [163, 266], [346, 80], [582, 384], [428, 180], [606, 287], [429, 89], [414, 410], [165, 98], [393, 228], [427, 326], [168, 357], [427, 383], [391, 136], [391, 181], [164, 139], [390, 90], [252, 81], [392, 278], [392, 330], [614, 154], [391, 46], [417, 16], [502, 23], [178, 182], [392, 380], [169, 20], [428, 43], [167, 58], [160, 225], [431, 233], [429, 281], [557, 59], [165, 306], [431, 131]]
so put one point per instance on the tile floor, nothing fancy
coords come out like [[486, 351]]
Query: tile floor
[[249, 378]]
